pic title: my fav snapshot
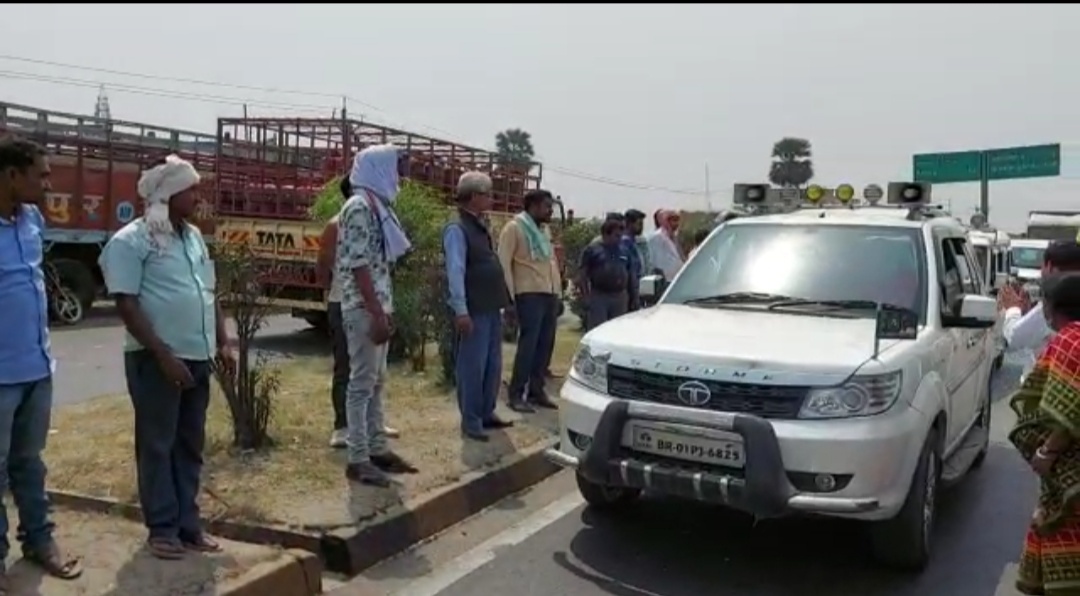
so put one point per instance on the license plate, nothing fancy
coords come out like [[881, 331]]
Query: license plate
[[718, 450]]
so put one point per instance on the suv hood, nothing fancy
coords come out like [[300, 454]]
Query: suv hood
[[784, 348]]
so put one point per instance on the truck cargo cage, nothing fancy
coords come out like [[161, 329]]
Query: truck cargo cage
[[87, 137], [275, 167]]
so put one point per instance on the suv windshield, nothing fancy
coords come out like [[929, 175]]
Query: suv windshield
[[1027, 257], [815, 262]]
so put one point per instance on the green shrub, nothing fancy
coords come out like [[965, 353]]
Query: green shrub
[[419, 305]]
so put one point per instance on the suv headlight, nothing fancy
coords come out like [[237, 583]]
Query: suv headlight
[[861, 395], [590, 368]]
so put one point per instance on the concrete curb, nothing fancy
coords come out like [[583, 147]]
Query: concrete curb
[[294, 573], [352, 550]]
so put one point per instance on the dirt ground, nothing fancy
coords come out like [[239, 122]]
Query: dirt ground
[[116, 564], [300, 482]]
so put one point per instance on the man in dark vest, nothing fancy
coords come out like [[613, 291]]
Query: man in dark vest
[[477, 296]]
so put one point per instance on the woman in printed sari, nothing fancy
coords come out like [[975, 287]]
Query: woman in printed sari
[[1047, 434]]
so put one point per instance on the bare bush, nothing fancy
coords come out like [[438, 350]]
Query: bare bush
[[250, 389]]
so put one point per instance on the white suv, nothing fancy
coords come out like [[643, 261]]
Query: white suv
[[825, 361]]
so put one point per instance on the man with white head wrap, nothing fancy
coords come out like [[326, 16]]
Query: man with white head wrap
[[370, 240], [159, 271]]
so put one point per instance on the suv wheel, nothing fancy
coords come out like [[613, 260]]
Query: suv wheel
[[605, 497], [903, 542]]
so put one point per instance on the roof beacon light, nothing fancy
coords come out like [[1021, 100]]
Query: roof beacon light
[[873, 193], [814, 193], [844, 193]]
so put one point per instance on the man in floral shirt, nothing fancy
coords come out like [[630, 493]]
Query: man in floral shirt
[[369, 240]]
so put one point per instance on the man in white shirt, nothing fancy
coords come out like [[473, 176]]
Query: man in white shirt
[[663, 244], [1025, 328]]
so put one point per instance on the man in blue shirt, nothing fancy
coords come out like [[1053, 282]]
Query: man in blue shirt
[[605, 275], [26, 365], [477, 296], [635, 246], [160, 272]]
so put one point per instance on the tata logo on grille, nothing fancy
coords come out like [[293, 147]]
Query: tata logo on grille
[[694, 393]]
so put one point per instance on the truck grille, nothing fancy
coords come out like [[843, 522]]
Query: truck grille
[[766, 401]]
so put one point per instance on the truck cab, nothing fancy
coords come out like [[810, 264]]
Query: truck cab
[[824, 360]]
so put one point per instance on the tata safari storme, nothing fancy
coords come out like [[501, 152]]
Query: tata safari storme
[[813, 358]]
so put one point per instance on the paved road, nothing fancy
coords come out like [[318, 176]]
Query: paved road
[[89, 360], [692, 550]]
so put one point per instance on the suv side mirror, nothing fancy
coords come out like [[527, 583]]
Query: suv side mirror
[[976, 312], [651, 287]]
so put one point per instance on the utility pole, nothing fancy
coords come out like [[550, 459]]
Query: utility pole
[[708, 199]]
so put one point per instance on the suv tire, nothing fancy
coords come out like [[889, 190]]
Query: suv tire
[[605, 498], [903, 542]]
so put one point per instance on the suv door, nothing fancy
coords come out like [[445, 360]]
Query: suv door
[[960, 276]]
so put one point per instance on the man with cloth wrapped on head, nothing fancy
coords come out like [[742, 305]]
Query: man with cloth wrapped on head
[[370, 240], [160, 272]]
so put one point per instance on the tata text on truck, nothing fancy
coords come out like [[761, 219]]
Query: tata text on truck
[[96, 164], [820, 359], [270, 170]]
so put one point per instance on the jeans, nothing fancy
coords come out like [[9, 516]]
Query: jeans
[[340, 382], [170, 432], [537, 320], [25, 412], [367, 383], [603, 307], [478, 366]]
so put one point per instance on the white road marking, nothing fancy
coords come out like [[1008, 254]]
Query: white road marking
[[1007, 582], [449, 573]]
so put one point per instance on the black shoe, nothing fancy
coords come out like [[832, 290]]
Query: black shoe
[[520, 406], [367, 473], [496, 423], [393, 463], [543, 401], [478, 436]]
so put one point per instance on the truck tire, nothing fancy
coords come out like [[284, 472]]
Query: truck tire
[[605, 498], [79, 279], [903, 542], [319, 320]]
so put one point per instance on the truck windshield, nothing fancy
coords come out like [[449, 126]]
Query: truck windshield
[[818, 262], [1027, 257]]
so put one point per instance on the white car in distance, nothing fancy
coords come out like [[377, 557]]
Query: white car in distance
[[829, 361]]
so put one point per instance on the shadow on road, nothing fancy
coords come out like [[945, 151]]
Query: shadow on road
[[690, 549]]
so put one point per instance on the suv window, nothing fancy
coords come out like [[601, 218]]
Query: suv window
[[958, 275], [813, 262]]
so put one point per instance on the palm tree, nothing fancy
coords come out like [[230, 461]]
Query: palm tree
[[792, 165], [514, 147]]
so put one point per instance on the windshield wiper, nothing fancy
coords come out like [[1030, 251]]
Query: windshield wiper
[[841, 304], [741, 298]]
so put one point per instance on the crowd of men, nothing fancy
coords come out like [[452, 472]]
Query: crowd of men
[[161, 274]]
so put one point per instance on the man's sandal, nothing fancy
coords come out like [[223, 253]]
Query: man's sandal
[[54, 562], [169, 549], [202, 543]]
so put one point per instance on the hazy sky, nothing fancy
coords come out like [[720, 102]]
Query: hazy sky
[[647, 95]]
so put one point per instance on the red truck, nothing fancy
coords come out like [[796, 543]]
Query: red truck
[[269, 171], [95, 168]]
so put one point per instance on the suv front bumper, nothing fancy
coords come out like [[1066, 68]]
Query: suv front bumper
[[877, 453]]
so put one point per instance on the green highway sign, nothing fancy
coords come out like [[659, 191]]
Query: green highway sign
[[1034, 161]]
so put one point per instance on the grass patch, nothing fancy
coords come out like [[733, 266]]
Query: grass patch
[[300, 481]]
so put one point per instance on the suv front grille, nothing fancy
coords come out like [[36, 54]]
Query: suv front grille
[[766, 401]]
